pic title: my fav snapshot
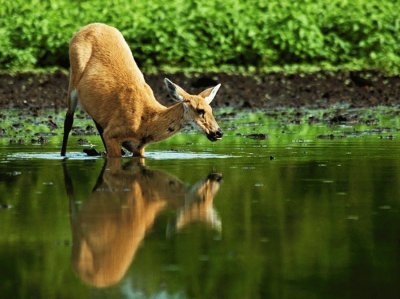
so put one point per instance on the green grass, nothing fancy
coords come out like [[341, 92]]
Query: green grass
[[232, 36]]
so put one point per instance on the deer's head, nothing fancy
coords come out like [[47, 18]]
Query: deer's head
[[197, 108], [199, 203]]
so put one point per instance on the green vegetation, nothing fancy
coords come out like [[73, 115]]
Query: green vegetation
[[205, 35], [44, 129]]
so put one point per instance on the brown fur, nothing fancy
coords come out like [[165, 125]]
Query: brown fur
[[199, 204], [112, 90], [111, 224]]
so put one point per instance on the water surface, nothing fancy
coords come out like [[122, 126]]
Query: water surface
[[296, 215]]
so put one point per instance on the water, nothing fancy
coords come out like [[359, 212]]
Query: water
[[292, 216]]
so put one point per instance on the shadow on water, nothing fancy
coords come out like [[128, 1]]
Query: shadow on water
[[112, 222]]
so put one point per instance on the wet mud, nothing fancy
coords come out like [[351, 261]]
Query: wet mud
[[311, 90]]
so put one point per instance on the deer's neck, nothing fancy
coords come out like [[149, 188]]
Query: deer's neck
[[166, 122]]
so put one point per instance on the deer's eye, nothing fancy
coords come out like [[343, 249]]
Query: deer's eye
[[201, 112]]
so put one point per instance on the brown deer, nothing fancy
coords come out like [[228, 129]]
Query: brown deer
[[111, 224], [198, 206], [106, 81]]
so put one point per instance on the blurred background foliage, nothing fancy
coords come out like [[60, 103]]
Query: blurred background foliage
[[210, 35]]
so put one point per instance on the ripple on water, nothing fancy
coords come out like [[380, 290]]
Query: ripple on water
[[161, 155]]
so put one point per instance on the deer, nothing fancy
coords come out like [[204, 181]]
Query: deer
[[112, 222], [198, 205], [108, 84]]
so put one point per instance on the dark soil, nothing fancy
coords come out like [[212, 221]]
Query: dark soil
[[312, 90]]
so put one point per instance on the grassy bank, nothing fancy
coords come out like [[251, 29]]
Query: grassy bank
[[204, 35]]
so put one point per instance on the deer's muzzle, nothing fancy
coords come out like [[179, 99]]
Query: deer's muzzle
[[214, 136]]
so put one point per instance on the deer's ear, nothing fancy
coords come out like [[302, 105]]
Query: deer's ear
[[209, 93], [176, 92]]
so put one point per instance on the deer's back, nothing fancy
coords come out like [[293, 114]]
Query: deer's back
[[99, 50], [102, 68]]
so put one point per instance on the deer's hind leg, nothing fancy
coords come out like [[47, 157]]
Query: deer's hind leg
[[72, 98]]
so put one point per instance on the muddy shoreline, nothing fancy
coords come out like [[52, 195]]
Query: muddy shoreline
[[259, 91]]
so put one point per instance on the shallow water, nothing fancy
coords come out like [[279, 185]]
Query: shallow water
[[292, 216]]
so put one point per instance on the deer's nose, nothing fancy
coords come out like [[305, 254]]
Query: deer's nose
[[219, 133], [214, 136], [217, 177]]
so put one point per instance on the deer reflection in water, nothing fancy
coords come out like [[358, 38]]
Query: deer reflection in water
[[111, 224]]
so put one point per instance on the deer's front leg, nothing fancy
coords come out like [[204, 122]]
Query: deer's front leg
[[130, 146], [139, 151], [134, 148], [113, 147]]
